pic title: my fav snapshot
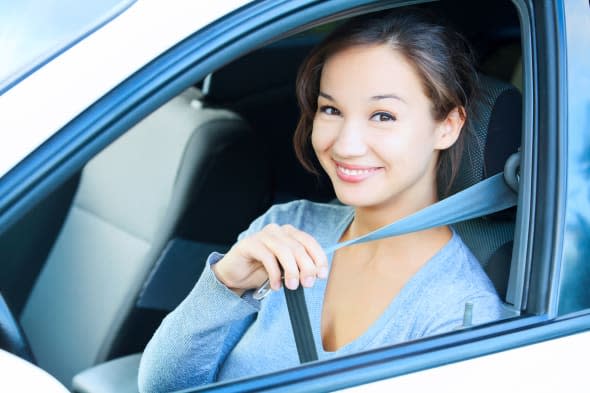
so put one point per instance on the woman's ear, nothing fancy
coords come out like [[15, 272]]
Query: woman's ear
[[449, 129]]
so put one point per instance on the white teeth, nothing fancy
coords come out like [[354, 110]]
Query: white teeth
[[354, 172]]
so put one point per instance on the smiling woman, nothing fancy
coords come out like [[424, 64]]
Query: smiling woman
[[384, 140], [378, 116], [432, 57]]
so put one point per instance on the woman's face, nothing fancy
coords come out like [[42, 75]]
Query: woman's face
[[373, 132]]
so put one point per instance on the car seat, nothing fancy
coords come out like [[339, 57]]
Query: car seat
[[496, 135], [128, 205]]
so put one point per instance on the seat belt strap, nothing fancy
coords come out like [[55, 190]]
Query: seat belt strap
[[301, 325], [486, 197]]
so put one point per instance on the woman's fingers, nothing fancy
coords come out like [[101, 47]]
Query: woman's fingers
[[281, 251], [313, 249], [260, 252], [276, 241], [299, 254]]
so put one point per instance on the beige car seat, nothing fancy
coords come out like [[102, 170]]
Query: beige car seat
[[129, 201]]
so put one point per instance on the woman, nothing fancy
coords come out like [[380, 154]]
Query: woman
[[384, 101]]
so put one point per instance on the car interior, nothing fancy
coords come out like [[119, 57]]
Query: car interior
[[90, 272]]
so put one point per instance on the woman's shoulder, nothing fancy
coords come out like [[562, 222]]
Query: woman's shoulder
[[453, 282], [453, 276], [306, 208], [308, 216], [462, 270], [458, 278]]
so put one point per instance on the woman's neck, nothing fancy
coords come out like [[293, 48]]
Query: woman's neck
[[368, 219]]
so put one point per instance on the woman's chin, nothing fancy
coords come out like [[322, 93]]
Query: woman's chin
[[355, 200]]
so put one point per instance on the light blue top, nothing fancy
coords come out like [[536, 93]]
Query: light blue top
[[215, 335]]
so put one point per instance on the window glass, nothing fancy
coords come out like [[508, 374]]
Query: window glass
[[575, 285], [32, 31]]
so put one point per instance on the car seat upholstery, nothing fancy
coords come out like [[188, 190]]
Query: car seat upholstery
[[128, 205], [495, 136]]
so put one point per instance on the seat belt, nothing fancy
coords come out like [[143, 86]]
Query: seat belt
[[486, 197]]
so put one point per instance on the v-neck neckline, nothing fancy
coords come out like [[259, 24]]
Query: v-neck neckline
[[316, 302]]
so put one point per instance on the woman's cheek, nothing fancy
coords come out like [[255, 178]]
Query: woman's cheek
[[320, 138]]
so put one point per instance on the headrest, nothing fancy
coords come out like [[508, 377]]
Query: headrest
[[268, 68], [495, 134]]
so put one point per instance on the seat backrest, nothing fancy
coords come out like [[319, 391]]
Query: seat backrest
[[267, 99], [496, 135], [129, 202]]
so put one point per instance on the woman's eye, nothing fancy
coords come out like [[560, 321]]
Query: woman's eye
[[383, 116], [329, 110]]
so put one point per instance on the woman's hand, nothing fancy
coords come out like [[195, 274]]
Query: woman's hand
[[264, 254]]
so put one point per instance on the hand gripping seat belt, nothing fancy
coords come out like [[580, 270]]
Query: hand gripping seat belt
[[486, 197]]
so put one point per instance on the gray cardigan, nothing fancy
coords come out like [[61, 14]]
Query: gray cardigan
[[215, 335]]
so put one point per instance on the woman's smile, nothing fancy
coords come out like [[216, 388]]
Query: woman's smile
[[355, 173]]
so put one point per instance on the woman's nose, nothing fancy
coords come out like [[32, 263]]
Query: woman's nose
[[349, 141]]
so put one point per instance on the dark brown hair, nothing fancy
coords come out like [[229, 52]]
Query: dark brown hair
[[440, 55]]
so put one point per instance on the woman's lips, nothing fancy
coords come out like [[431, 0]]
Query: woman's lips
[[354, 173]]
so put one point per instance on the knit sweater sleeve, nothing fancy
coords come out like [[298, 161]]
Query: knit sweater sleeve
[[193, 340]]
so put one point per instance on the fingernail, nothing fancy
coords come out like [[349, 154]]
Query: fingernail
[[292, 283], [323, 273], [308, 281]]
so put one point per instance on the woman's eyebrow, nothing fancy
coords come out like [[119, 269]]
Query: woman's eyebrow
[[386, 96], [373, 98]]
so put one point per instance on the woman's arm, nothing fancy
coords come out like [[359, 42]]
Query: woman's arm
[[194, 340]]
